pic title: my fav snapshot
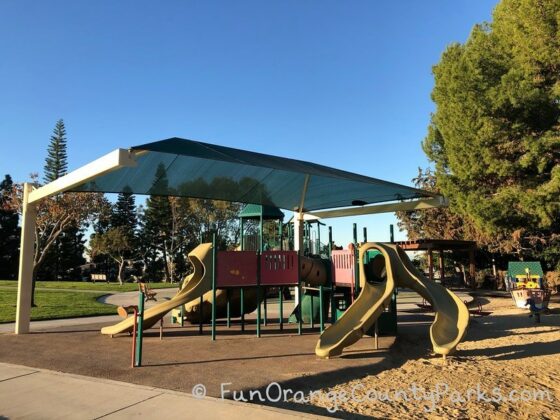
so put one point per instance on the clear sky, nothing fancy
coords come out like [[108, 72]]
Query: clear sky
[[342, 83]]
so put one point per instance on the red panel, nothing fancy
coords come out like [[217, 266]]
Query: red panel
[[279, 268], [343, 267], [236, 268]]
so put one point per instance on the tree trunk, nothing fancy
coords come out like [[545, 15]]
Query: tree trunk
[[33, 280], [166, 266], [121, 269]]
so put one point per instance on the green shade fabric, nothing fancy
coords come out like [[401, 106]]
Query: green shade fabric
[[189, 168], [254, 211], [517, 268]]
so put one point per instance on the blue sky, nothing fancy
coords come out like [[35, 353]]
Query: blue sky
[[342, 83]]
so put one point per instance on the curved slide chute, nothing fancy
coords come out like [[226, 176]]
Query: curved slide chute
[[452, 316], [361, 315], [195, 285]]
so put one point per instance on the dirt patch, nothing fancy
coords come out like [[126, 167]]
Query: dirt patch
[[508, 367]]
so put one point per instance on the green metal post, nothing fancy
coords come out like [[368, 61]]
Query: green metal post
[[242, 244], [258, 310], [214, 254], [331, 279], [140, 333], [311, 310], [391, 233], [321, 320], [264, 304], [228, 304], [308, 236], [281, 314], [365, 234], [241, 299], [356, 264], [261, 245], [318, 238], [289, 234], [200, 311], [300, 313], [281, 234], [259, 296]]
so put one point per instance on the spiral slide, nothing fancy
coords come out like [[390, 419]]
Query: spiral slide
[[451, 319], [195, 285]]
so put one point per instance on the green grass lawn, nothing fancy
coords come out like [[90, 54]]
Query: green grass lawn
[[87, 285], [57, 304], [53, 304]]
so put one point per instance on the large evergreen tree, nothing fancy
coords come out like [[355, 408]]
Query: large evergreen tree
[[9, 232], [56, 163], [495, 134], [124, 214], [157, 218], [66, 254]]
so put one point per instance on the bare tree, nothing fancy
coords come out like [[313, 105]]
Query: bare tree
[[54, 215]]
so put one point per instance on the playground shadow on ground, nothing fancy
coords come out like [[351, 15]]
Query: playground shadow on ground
[[412, 342]]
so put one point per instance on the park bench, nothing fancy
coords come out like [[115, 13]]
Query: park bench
[[99, 277], [148, 293]]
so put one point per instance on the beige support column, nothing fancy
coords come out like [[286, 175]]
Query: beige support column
[[298, 241], [298, 233], [25, 273]]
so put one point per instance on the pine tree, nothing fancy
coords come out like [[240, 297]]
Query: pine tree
[[124, 214], [123, 218], [9, 233], [157, 223], [495, 134], [56, 164], [66, 254]]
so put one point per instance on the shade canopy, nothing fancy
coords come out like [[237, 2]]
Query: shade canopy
[[188, 168]]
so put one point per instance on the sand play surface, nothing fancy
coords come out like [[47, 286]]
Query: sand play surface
[[508, 367]]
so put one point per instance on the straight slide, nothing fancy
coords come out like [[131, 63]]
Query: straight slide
[[195, 285], [451, 314]]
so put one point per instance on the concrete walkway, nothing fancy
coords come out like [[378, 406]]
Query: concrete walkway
[[38, 393], [52, 324], [407, 300], [131, 298]]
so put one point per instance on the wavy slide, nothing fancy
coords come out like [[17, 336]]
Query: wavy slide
[[451, 319], [195, 285]]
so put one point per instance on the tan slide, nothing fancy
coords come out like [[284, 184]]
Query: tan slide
[[452, 316], [195, 285], [361, 315], [450, 323]]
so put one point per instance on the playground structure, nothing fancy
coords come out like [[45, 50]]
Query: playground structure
[[378, 278], [366, 275], [237, 300], [525, 282], [202, 170], [225, 271]]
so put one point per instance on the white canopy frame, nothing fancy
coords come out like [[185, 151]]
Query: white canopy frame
[[118, 158]]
